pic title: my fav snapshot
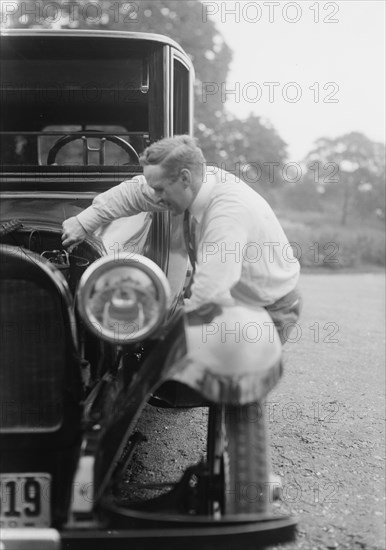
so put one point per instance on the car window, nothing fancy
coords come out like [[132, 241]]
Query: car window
[[33, 148], [73, 153], [59, 89]]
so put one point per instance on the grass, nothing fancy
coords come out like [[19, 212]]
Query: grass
[[319, 242]]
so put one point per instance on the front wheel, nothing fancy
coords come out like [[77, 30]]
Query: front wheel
[[238, 458]]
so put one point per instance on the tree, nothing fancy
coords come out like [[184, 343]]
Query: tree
[[249, 147], [351, 167]]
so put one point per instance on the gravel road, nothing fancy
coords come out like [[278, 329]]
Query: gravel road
[[326, 419]]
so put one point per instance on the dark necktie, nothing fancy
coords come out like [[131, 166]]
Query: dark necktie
[[189, 236]]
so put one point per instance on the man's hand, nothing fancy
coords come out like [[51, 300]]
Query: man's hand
[[73, 233], [203, 314]]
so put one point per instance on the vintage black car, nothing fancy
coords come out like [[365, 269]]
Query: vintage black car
[[77, 110]]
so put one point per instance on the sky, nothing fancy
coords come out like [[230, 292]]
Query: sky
[[313, 69]]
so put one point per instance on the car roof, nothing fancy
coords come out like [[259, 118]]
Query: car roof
[[86, 33]]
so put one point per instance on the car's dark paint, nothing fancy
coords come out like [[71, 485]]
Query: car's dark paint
[[42, 196], [35, 299]]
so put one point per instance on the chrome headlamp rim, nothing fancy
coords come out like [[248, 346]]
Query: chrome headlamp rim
[[108, 263]]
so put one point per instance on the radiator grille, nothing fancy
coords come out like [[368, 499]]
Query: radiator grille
[[33, 357]]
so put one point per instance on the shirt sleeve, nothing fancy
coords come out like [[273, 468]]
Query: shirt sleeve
[[126, 199], [219, 256]]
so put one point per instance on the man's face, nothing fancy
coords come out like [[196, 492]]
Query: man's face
[[175, 196]]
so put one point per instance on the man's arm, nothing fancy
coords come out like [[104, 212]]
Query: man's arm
[[127, 199]]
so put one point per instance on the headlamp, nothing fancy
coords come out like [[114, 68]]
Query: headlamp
[[125, 300]]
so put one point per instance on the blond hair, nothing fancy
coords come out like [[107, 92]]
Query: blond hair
[[174, 154]]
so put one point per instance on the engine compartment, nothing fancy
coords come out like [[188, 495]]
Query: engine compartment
[[47, 243]]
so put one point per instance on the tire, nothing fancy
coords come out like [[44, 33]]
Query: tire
[[239, 456]]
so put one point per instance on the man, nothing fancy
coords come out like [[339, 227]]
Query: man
[[242, 253], [243, 263]]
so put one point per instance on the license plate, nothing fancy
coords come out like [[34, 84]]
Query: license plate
[[25, 500]]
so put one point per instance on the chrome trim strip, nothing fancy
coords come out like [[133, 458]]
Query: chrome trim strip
[[168, 91], [44, 195]]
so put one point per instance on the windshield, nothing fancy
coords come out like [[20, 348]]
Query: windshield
[[73, 102], [73, 145]]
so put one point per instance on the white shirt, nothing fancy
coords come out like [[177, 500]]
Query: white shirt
[[243, 254]]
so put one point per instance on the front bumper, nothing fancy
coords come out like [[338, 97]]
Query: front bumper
[[29, 539], [216, 535]]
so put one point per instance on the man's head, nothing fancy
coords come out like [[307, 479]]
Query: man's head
[[173, 168]]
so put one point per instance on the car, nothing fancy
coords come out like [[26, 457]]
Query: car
[[89, 338]]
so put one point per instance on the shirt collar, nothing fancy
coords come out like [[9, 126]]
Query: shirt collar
[[199, 205]]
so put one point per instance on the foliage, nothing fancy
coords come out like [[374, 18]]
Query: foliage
[[304, 195], [249, 148], [359, 185], [335, 247]]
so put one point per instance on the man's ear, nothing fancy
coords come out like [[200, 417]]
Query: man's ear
[[186, 177]]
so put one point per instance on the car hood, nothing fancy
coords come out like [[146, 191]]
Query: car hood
[[48, 211]]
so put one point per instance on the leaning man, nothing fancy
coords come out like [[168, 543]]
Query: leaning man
[[245, 273], [241, 253]]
